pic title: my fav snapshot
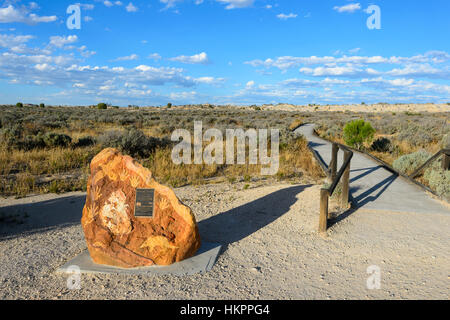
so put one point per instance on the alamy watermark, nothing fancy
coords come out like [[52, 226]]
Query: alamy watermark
[[74, 20], [373, 282], [214, 151], [74, 279], [374, 21]]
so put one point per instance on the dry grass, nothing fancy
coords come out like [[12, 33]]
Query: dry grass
[[58, 169], [295, 161], [296, 123]]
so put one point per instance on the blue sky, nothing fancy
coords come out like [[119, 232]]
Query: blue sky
[[224, 52]]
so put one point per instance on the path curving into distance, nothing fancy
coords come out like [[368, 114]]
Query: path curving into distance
[[374, 187]]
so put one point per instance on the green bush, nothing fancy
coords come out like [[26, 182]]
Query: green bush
[[42, 105], [407, 164], [102, 106], [57, 140], [19, 105], [169, 105], [357, 132]]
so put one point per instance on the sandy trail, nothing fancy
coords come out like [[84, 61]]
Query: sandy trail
[[271, 250]]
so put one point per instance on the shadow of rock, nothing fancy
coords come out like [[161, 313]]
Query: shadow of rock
[[238, 223], [40, 216]]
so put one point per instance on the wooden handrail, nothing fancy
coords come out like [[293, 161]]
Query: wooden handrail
[[348, 158], [445, 152], [326, 193]]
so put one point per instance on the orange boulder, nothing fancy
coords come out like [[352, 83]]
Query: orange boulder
[[115, 236]]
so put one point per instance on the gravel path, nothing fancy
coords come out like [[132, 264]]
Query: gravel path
[[272, 250]]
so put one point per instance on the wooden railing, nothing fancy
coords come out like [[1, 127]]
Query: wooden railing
[[335, 177], [445, 162]]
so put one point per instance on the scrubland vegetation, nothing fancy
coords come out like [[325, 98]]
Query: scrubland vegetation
[[403, 140], [48, 149]]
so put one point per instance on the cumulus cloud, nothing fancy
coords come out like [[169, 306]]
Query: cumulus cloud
[[131, 8], [432, 64], [235, 4], [154, 56], [352, 7], [201, 58], [11, 14], [128, 58], [86, 6], [60, 41], [170, 3], [79, 79], [11, 41], [283, 16]]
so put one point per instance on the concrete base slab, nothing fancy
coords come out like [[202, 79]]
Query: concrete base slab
[[203, 261]]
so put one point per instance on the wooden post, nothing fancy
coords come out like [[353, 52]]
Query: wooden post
[[446, 161], [346, 181], [323, 218], [333, 164]]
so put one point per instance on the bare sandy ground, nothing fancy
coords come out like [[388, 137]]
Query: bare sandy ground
[[271, 249]]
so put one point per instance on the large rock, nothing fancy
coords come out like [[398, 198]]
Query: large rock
[[115, 236]]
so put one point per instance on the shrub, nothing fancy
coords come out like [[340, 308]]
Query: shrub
[[407, 164], [169, 105], [42, 105], [102, 106], [133, 142], [438, 180], [84, 142], [357, 132], [445, 143], [382, 145], [32, 142], [57, 140], [19, 105]]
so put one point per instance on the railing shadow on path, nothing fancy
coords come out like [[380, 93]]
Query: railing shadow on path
[[363, 199], [369, 196], [366, 173]]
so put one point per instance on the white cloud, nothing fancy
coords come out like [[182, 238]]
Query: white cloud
[[352, 7], [59, 41], [283, 16], [421, 70], [355, 50], [128, 58], [209, 80], [10, 14], [235, 4], [110, 4], [10, 41], [169, 3], [131, 8], [201, 58], [86, 6], [154, 56], [330, 65]]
